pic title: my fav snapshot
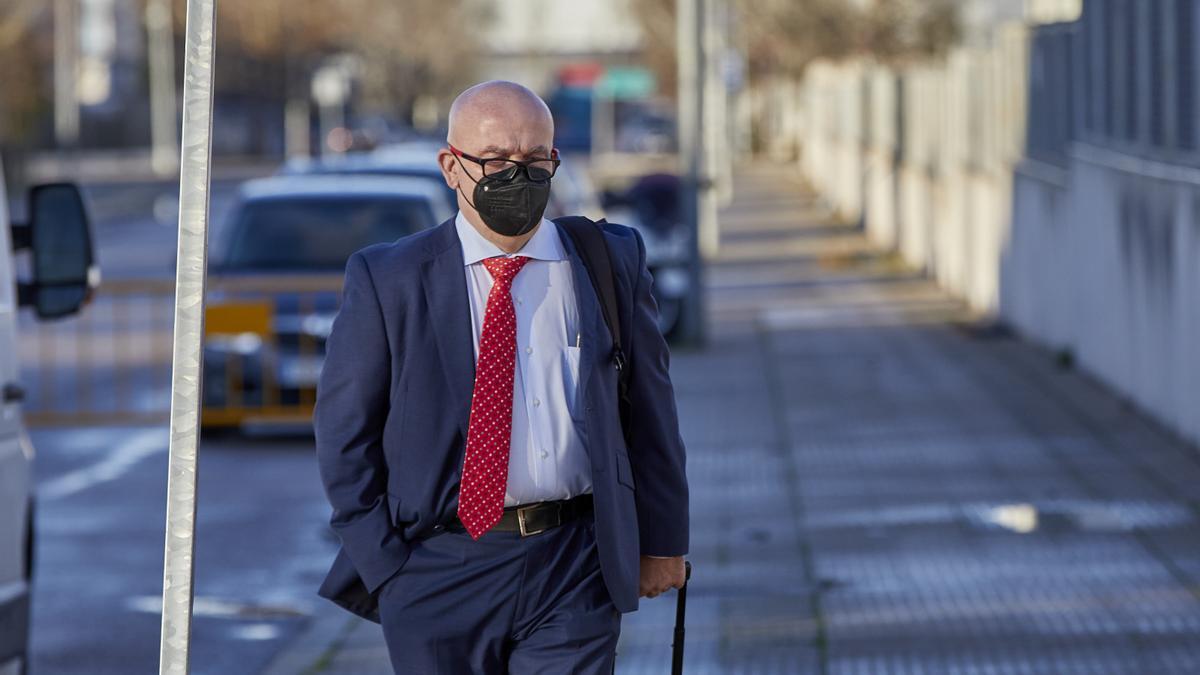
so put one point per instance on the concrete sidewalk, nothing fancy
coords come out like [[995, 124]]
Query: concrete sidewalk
[[881, 485]]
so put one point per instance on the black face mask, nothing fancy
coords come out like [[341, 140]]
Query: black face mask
[[510, 207]]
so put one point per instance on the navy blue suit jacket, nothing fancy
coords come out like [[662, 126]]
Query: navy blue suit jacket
[[394, 398]]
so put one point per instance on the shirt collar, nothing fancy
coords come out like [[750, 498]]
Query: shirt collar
[[543, 245]]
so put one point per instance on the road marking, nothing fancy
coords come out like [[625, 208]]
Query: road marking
[[219, 608], [12, 590], [257, 631], [132, 450]]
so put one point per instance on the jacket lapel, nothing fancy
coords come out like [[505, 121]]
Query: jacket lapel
[[445, 285]]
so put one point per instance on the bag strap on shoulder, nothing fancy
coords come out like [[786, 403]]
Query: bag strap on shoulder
[[589, 241]]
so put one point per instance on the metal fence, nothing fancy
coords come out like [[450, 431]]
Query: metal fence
[[1123, 76], [111, 363]]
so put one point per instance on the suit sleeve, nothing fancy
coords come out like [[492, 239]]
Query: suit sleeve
[[351, 406], [656, 452]]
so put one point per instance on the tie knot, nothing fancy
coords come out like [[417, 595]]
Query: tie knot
[[503, 268]]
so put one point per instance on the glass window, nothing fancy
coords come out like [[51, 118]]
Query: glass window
[[319, 233]]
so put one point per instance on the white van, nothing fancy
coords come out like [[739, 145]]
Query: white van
[[62, 278]]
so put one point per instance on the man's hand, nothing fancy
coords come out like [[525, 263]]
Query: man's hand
[[659, 575]]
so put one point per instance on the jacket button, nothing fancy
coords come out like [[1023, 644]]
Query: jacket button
[[439, 528]]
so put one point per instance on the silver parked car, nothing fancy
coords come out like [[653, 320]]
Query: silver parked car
[[276, 282]]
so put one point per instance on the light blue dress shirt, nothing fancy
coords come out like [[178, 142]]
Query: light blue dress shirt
[[547, 460]]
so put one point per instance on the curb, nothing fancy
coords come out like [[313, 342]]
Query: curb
[[312, 650]]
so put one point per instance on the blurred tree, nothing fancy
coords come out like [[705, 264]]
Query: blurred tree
[[902, 30], [268, 51], [657, 19], [418, 48], [270, 48], [781, 37], [24, 96]]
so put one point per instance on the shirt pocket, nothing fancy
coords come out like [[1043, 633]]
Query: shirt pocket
[[570, 371]]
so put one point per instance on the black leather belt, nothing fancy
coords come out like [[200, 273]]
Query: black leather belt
[[538, 517]]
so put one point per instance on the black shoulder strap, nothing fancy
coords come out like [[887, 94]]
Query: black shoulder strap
[[589, 241]]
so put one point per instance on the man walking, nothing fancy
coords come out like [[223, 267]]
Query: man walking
[[492, 516]]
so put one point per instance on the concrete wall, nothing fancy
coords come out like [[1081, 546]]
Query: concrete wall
[[1105, 261], [1048, 175]]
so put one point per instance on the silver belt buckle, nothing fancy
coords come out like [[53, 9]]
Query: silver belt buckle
[[521, 518]]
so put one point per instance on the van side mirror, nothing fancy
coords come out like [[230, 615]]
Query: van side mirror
[[59, 238]]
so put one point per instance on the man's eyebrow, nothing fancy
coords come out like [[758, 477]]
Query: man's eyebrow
[[505, 152]]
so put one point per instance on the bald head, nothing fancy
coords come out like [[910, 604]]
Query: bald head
[[500, 114]]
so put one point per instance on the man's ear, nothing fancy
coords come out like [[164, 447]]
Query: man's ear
[[446, 163]]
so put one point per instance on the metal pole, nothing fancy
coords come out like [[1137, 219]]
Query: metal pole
[[603, 124], [690, 76], [716, 109], [66, 65], [296, 128], [164, 139], [712, 120], [196, 153]]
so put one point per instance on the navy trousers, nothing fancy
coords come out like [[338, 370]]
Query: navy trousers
[[533, 605]]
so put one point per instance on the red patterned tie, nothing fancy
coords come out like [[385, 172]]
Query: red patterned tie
[[489, 431]]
